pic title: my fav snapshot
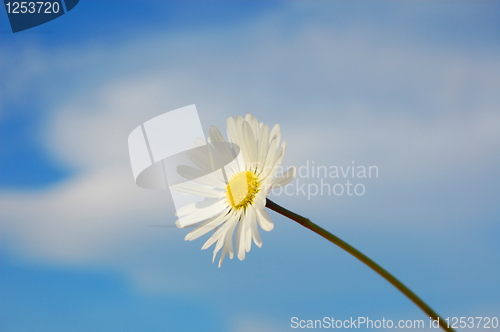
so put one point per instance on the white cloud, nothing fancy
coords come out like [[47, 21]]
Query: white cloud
[[82, 220], [404, 147]]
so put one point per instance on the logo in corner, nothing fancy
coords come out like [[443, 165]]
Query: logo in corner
[[28, 14]]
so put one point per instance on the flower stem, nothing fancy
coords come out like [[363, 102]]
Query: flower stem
[[362, 257]]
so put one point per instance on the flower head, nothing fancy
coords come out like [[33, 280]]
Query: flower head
[[235, 199]]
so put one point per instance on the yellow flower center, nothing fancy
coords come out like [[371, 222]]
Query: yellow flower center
[[242, 188]]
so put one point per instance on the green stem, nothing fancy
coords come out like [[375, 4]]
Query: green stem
[[362, 257]]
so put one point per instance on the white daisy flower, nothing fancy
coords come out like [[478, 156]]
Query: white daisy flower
[[234, 199]]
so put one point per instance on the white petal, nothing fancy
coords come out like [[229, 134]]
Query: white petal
[[219, 245], [270, 158], [198, 190], [254, 124], [260, 201], [200, 158], [275, 132], [198, 215], [222, 150], [285, 178], [231, 130], [265, 221], [255, 233], [232, 169], [206, 227], [228, 242], [215, 135], [250, 145], [213, 179], [240, 239], [273, 164], [222, 256], [185, 210], [248, 239], [216, 235], [280, 153], [249, 216], [263, 146], [207, 202], [234, 128], [239, 121], [193, 207]]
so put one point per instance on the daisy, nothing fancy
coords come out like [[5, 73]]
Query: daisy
[[235, 194]]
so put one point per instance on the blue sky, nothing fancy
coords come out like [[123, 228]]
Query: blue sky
[[410, 87]]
